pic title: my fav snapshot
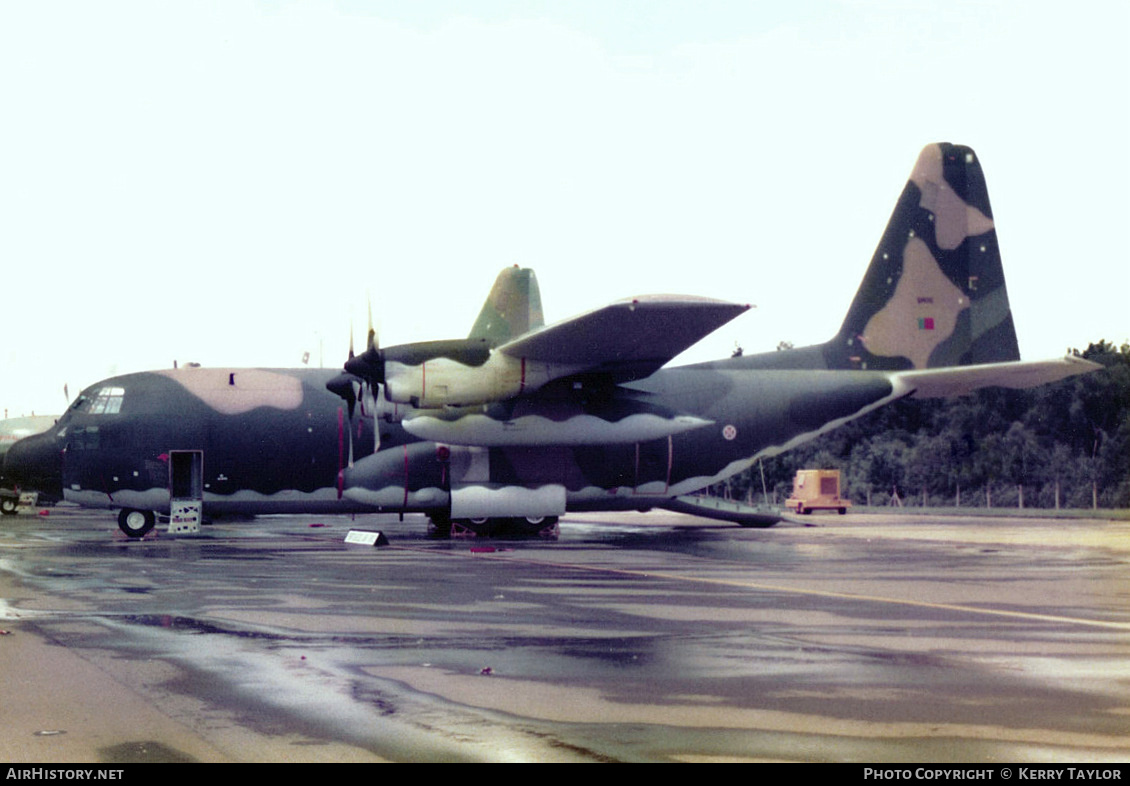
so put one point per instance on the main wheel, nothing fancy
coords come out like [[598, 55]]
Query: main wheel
[[439, 525], [542, 526], [480, 527], [136, 523], [8, 506]]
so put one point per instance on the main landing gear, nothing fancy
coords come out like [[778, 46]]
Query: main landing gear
[[530, 526]]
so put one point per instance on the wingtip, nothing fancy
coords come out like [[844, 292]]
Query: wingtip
[[1083, 362]]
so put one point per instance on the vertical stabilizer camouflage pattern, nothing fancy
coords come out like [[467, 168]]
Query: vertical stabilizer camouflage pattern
[[934, 294], [513, 307]]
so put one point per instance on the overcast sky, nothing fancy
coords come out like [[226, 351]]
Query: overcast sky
[[226, 182]]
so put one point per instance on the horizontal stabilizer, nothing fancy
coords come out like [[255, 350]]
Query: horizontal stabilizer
[[629, 338], [958, 380]]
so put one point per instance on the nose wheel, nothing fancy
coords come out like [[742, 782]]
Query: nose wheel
[[136, 523]]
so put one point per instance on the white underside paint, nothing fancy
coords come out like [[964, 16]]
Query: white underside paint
[[248, 502], [534, 430], [394, 498], [149, 499], [477, 501]]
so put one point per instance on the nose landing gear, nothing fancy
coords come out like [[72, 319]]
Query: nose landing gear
[[136, 523]]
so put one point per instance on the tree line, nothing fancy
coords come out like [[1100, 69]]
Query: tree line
[[1064, 445]]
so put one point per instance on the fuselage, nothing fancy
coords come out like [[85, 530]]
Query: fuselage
[[277, 441]]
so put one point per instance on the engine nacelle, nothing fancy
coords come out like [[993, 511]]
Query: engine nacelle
[[442, 381]]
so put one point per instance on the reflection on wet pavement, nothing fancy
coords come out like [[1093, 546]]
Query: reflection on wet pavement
[[637, 639]]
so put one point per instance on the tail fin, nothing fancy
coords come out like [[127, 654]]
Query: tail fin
[[934, 294], [512, 308]]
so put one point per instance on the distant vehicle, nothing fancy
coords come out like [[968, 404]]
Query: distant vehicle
[[11, 431], [522, 421], [817, 489]]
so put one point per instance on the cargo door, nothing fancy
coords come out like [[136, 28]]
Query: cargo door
[[186, 490]]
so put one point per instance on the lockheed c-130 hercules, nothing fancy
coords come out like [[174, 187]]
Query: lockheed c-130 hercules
[[523, 422]]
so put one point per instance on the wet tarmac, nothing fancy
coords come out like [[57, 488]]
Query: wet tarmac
[[633, 637]]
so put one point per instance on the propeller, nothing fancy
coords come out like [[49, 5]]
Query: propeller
[[363, 373], [370, 364], [366, 368], [372, 372]]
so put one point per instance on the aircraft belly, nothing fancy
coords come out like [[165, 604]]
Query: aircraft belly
[[142, 499], [397, 498], [324, 500]]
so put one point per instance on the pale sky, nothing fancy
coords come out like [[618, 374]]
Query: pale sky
[[226, 182]]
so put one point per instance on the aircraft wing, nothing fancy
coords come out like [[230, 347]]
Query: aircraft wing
[[630, 338], [958, 380]]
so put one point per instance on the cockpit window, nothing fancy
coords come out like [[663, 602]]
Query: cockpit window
[[107, 401]]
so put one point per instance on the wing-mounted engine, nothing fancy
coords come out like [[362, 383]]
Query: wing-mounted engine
[[461, 373], [623, 341]]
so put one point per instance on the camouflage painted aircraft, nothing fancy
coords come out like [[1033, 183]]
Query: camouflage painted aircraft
[[522, 422]]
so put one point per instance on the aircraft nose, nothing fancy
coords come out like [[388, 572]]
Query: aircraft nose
[[34, 463]]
